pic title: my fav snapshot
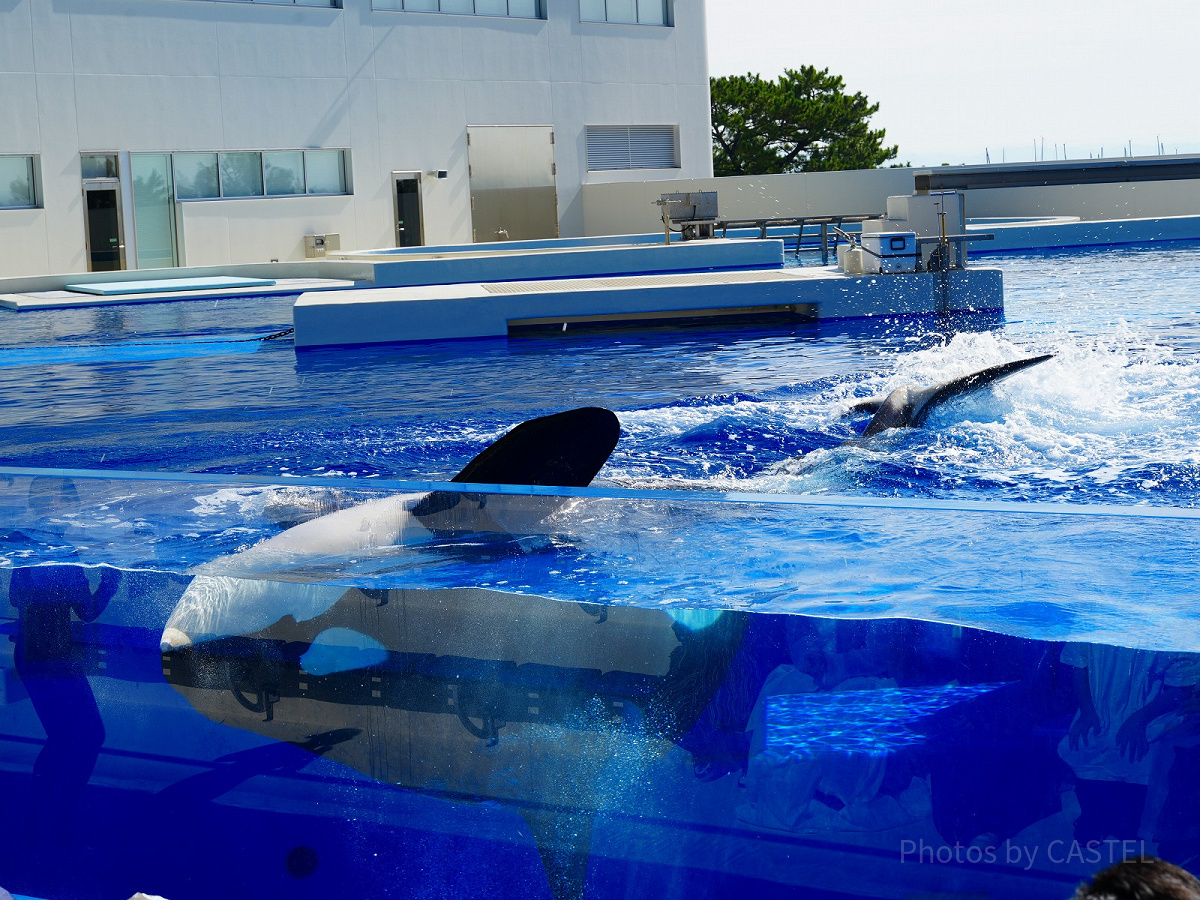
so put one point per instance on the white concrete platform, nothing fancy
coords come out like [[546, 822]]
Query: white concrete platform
[[440, 312], [481, 263], [66, 299], [1070, 231], [168, 285]]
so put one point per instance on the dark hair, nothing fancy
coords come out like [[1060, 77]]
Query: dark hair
[[1141, 878]]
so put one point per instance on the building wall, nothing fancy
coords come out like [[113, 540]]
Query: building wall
[[396, 89], [629, 208]]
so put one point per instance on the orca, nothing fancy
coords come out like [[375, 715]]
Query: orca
[[227, 597], [909, 406], [482, 696]]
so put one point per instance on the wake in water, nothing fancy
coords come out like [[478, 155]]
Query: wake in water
[[1112, 418]]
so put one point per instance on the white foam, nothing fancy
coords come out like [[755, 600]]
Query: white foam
[[1109, 411]]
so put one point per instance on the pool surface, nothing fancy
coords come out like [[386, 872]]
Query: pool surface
[[756, 657]]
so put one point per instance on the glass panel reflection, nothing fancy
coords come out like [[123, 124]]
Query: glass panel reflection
[[370, 737], [326, 171], [284, 172]]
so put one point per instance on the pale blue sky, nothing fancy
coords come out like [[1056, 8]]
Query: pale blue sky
[[954, 78]]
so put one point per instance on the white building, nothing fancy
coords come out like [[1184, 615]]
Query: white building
[[152, 133]]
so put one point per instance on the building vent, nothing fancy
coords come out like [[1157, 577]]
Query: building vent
[[612, 147]]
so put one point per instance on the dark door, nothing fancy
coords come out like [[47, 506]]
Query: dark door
[[105, 238], [409, 232]]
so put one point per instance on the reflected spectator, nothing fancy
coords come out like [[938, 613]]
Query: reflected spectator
[[51, 664], [1128, 699]]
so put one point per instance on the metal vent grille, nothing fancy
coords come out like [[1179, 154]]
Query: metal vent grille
[[611, 147]]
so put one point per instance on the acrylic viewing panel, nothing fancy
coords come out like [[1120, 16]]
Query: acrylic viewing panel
[[606, 694]]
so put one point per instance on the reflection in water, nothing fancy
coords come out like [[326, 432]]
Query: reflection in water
[[468, 742], [52, 669]]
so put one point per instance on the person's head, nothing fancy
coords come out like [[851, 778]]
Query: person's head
[[1141, 878], [49, 495]]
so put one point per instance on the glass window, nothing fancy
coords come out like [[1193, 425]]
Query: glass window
[[626, 12], [331, 4], [253, 173], [326, 171], [98, 165], [17, 185], [522, 9], [196, 176], [591, 10], [153, 210], [622, 11], [651, 12], [241, 174], [283, 172]]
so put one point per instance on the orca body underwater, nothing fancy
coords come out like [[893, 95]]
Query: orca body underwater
[[226, 597], [909, 406]]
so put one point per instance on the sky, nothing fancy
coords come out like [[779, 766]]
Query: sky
[[973, 80]]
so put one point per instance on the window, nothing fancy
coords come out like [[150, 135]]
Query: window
[[18, 182], [612, 147], [258, 173], [196, 175], [329, 4], [99, 165], [627, 12], [283, 172], [325, 171], [153, 211], [514, 9], [241, 174]]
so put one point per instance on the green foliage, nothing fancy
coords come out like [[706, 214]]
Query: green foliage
[[802, 122]]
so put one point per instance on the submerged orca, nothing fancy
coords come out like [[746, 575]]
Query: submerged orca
[[565, 449], [909, 406]]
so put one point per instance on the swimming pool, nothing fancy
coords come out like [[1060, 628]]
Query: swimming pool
[[183, 387], [750, 658]]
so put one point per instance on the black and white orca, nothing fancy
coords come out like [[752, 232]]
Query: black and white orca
[[228, 595]]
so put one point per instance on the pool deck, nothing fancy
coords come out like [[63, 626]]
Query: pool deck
[[68, 299], [497, 309], [487, 291], [1061, 232]]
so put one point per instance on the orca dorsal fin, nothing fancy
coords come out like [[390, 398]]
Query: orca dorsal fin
[[909, 407], [969, 384], [565, 449]]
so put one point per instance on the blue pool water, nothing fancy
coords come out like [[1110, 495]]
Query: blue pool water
[[1115, 418], [960, 660]]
